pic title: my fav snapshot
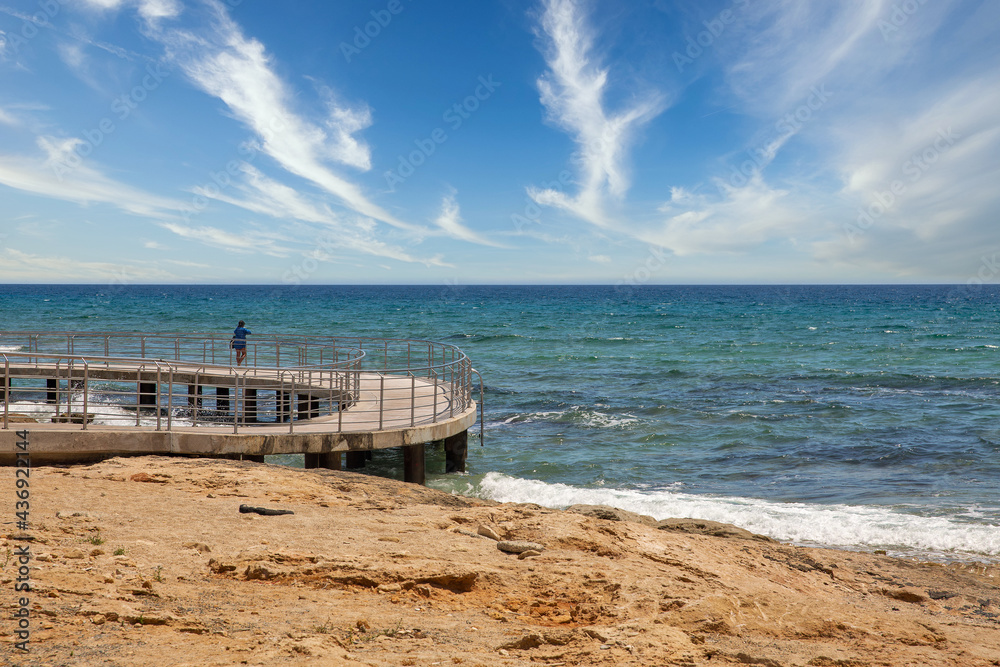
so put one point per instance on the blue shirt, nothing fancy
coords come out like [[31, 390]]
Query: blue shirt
[[240, 338]]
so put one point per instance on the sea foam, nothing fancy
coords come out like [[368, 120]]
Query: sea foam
[[842, 526]]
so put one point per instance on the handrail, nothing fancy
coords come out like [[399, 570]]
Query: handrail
[[482, 406], [319, 375]]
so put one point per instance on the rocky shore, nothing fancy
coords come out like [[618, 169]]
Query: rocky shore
[[149, 561]]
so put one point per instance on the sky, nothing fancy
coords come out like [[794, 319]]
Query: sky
[[499, 141]]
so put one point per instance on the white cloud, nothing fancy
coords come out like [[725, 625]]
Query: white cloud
[[246, 241], [738, 220], [573, 92], [919, 193], [450, 222], [150, 10], [7, 119], [18, 266], [236, 69], [63, 175], [267, 196]]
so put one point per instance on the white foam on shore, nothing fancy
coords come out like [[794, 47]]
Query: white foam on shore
[[842, 526]]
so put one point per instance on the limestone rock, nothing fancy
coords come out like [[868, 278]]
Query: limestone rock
[[713, 528], [20, 418], [907, 594], [612, 514]]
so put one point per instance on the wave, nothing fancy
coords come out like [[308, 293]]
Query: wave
[[11, 348], [577, 415], [840, 526]]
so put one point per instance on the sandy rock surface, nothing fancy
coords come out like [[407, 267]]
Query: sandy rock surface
[[148, 561]]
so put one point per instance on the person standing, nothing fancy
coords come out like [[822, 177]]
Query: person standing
[[239, 342]]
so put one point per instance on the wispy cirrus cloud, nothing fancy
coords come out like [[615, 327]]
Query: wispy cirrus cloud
[[48, 176], [247, 240], [226, 64], [896, 83], [19, 266], [450, 223], [573, 91]]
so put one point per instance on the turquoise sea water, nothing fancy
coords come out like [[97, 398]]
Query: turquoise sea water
[[853, 416]]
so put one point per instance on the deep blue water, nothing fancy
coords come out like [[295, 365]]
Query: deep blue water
[[855, 416]]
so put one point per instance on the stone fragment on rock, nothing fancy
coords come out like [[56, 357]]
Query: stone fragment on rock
[[528, 554], [486, 531], [519, 546], [713, 528], [145, 477], [907, 594], [218, 567], [528, 641], [609, 513]]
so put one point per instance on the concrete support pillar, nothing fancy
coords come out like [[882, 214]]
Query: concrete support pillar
[[194, 395], [308, 407], [147, 393], [51, 390], [250, 405], [328, 460], [456, 450], [413, 464], [355, 460], [222, 399]]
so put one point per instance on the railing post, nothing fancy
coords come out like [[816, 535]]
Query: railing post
[[236, 403], [86, 391], [381, 400], [413, 396], [58, 363], [7, 389], [194, 408], [170, 396], [435, 411], [69, 390], [291, 408], [340, 399], [157, 396]]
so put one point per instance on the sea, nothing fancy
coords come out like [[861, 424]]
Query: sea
[[859, 417]]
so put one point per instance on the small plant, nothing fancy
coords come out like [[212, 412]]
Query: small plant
[[120, 551], [7, 558], [159, 574], [96, 539]]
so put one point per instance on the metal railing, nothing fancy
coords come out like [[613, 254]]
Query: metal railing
[[188, 381]]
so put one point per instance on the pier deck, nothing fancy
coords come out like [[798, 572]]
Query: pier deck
[[81, 403]]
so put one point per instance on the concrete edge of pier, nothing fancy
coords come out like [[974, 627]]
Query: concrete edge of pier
[[59, 444]]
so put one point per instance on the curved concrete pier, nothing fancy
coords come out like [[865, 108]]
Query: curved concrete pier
[[86, 396]]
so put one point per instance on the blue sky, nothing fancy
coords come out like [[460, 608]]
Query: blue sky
[[499, 141]]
